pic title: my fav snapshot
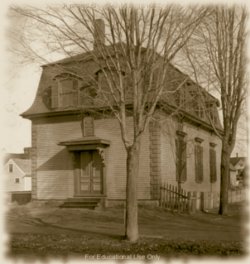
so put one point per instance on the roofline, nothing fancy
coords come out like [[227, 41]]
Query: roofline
[[189, 117], [203, 89], [69, 60], [170, 108]]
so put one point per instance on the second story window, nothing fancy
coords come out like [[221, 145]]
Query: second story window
[[65, 91], [199, 109], [180, 99]]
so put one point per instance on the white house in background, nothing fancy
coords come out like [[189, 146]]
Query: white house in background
[[237, 167], [233, 176], [17, 175]]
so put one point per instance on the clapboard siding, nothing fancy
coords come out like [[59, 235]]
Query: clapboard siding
[[10, 178], [54, 162], [34, 160], [116, 159], [168, 160], [54, 175]]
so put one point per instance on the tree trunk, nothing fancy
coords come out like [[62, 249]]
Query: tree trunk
[[131, 232], [225, 161]]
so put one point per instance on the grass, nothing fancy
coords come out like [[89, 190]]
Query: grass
[[67, 245], [47, 231]]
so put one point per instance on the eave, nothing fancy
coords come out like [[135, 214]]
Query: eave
[[99, 110]]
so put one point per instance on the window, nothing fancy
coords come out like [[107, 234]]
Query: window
[[212, 163], [109, 78], [10, 168], [68, 92], [86, 95], [198, 107], [181, 157], [198, 155], [211, 112], [65, 91], [17, 180], [180, 98]]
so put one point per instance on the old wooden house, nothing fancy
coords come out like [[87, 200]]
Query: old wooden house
[[179, 146]]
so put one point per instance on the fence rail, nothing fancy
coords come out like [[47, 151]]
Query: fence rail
[[175, 199]]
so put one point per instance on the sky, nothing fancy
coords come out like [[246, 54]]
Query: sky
[[19, 84]]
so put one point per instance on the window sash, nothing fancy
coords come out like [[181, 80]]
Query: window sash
[[181, 164], [212, 163], [198, 153]]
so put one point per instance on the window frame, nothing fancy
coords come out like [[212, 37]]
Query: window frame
[[199, 160], [57, 87], [212, 163], [181, 156]]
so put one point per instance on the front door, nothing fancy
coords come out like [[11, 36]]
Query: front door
[[89, 174]]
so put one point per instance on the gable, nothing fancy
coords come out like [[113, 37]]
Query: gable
[[12, 168], [22, 166]]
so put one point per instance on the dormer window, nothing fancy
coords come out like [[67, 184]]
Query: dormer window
[[65, 94], [71, 91], [106, 77], [198, 109], [212, 111], [180, 98]]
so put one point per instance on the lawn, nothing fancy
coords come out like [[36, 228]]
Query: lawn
[[40, 230]]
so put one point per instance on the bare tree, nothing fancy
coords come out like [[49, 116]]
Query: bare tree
[[216, 53], [133, 56]]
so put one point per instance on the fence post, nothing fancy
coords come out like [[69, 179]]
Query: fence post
[[173, 193], [176, 198], [189, 202], [194, 199], [181, 200], [202, 201], [166, 196]]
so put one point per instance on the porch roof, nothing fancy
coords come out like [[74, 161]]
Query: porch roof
[[85, 143]]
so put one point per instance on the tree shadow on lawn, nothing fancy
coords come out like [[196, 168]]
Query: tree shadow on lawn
[[67, 241], [153, 222], [81, 231]]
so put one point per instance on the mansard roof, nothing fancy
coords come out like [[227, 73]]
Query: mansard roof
[[170, 99]]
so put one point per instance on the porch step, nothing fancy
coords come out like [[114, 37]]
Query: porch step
[[89, 203]]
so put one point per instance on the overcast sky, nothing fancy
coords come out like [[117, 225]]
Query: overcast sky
[[19, 84]]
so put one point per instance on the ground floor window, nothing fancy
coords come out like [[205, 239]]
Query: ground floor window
[[212, 163], [198, 156], [181, 157]]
